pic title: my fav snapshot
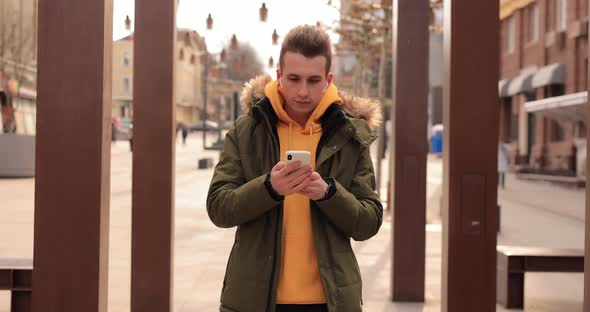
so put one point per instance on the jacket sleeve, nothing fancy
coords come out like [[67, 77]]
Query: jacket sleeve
[[357, 212], [231, 199]]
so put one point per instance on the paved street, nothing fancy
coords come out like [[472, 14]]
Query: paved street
[[532, 214]]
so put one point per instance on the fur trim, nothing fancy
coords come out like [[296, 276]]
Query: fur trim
[[356, 107]]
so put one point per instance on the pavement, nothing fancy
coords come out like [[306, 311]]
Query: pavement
[[533, 214]]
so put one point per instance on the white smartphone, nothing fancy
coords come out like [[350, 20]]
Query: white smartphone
[[303, 156]]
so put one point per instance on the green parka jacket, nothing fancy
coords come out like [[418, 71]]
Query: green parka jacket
[[238, 197]]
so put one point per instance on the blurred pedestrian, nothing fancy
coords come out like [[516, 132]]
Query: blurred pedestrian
[[294, 223], [6, 114], [184, 135], [502, 164]]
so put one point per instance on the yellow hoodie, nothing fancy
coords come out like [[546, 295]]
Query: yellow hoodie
[[299, 281]]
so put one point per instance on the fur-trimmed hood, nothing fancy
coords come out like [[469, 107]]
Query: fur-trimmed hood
[[356, 107]]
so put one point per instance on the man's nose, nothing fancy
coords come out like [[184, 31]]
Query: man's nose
[[303, 90]]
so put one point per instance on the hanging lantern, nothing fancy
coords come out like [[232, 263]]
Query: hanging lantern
[[222, 56], [263, 13], [234, 42], [209, 22], [271, 62], [275, 38], [127, 23]]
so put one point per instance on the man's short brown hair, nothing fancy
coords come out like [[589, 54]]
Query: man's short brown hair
[[308, 40]]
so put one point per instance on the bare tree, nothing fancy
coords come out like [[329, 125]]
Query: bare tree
[[242, 63], [17, 38], [364, 27]]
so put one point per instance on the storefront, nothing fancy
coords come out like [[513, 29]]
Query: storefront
[[560, 138]]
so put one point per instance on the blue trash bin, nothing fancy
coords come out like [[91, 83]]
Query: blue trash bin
[[437, 139]]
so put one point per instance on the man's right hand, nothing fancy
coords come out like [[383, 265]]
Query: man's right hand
[[290, 179]]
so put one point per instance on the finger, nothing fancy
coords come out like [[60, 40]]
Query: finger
[[301, 186], [315, 176], [278, 166], [301, 170], [290, 167], [295, 182]]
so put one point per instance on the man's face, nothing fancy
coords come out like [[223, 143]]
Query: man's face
[[303, 81]]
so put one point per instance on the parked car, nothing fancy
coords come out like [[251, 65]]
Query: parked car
[[122, 129], [210, 126]]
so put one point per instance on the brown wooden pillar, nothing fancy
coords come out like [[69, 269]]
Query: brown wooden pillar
[[587, 239], [409, 142], [471, 111], [153, 156], [72, 156]]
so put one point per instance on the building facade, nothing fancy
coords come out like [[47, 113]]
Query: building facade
[[544, 61], [188, 75], [18, 62]]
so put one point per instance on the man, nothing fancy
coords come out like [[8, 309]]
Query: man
[[292, 247], [7, 115]]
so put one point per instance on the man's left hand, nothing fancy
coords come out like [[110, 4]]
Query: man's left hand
[[316, 190]]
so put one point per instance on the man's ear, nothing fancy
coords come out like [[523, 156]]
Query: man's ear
[[279, 78], [328, 81], [330, 77]]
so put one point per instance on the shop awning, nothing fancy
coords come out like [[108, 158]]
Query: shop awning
[[549, 75], [521, 84], [571, 107], [503, 87]]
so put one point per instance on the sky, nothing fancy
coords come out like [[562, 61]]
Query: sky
[[240, 17]]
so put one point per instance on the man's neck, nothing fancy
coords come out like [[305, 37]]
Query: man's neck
[[300, 119]]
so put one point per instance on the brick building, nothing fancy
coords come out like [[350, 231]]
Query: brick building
[[544, 61]]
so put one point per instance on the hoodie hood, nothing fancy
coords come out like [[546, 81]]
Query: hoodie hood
[[271, 90], [356, 107]]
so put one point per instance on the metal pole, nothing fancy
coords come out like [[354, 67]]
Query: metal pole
[[587, 240], [71, 235], [205, 113], [408, 148], [152, 218], [471, 115], [382, 91]]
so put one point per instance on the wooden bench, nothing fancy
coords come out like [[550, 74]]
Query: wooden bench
[[16, 275], [514, 262]]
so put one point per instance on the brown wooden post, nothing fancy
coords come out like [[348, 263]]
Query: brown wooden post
[[471, 116], [72, 156], [409, 147], [153, 156], [587, 239]]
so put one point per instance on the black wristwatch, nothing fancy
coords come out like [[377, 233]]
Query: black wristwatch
[[276, 196], [330, 190]]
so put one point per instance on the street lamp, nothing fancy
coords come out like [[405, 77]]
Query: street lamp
[[127, 23], [263, 13], [234, 42], [275, 38], [209, 22]]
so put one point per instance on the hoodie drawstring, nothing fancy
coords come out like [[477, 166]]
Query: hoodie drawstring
[[291, 136], [310, 134]]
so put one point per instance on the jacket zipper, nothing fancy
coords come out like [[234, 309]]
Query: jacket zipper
[[279, 215]]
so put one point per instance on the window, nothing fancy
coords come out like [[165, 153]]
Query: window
[[533, 23], [557, 132], [511, 29], [561, 15], [513, 126], [126, 84], [126, 59], [580, 129]]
